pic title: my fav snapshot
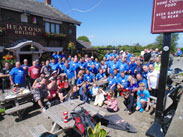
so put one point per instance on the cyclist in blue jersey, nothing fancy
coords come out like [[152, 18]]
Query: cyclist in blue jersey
[[132, 67], [145, 71], [54, 66], [140, 80], [122, 82], [17, 75], [111, 83], [123, 66], [71, 74], [97, 64], [89, 77], [107, 55], [100, 75]]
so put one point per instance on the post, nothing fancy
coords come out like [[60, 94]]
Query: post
[[156, 129], [163, 76]]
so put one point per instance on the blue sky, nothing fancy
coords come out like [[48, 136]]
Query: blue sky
[[113, 22]]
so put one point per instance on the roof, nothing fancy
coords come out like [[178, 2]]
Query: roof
[[37, 8], [82, 44]]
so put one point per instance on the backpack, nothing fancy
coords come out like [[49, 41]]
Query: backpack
[[83, 121], [47, 134]]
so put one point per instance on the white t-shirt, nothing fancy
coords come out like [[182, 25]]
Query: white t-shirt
[[153, 78], [95, 91]]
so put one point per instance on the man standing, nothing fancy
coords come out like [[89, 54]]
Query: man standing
[[5, 76], [25, 66], [153, 78], [33, 72], [17, 75], [147, 55]]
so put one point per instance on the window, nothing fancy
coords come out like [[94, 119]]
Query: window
[[57, 28], [51, 27], [70, 31], [47, 27]]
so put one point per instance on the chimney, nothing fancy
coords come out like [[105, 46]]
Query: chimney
[[47, 2]]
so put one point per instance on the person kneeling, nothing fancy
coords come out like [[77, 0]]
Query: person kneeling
[[143, 98], [129, 102], [99, 99]]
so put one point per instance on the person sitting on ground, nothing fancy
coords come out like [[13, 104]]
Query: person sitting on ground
[[93, 91], [40, 93], [143, 98], [112, 104], [72, 94], [129, 102], [83, 92], [99, 99]]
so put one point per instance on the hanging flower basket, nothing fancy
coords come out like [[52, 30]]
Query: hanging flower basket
[[55, 35], [9, 58], [2, 30]]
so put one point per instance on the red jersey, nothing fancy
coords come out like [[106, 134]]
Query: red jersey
[[34, 72]]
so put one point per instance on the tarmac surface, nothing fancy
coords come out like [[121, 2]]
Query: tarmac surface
[[11, 127]]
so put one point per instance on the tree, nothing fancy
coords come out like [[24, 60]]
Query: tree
[[174, 39], [83, 38]]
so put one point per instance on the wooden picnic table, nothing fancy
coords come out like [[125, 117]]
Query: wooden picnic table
[[15, 100], [56, 114], [10, 95], [101, 82]]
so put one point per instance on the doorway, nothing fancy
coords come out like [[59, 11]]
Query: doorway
[[26, 56]]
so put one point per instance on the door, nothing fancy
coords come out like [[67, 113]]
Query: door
[[28, 57]]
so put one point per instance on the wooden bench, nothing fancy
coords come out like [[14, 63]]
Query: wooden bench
[[20, 109], [38, 130]]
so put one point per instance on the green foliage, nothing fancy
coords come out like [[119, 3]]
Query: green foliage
[[97, 132], [159, 42], [83, 38], [174, 41], [137, 48]]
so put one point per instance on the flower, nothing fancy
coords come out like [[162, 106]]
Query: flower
[[9, 58], [55, 35], [2, 29]]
